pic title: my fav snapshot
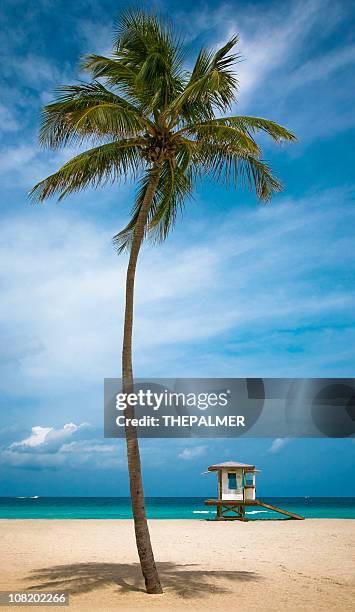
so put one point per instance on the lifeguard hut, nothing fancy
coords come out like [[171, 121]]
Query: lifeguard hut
[[236, 490]]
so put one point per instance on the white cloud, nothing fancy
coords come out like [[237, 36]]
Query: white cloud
[[38, 72], [194, 452], [37, 438], [277, 445], [8, 121], [23, 165], [48, 439], [15, 158], [96, 36], [68, 447]]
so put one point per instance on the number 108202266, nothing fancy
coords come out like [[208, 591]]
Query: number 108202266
[[33, 598]]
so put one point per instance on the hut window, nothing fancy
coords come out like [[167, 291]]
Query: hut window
[[232, 481]]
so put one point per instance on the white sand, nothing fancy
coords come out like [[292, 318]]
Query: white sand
[[273, 565]]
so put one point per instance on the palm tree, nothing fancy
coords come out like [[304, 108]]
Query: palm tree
[[156, 122]]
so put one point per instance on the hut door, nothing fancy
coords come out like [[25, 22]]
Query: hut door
[[232, 481]]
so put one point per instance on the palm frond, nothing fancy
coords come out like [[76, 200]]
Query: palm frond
[[212, 85], [252, 125], [175, 186], [146, 62], [112, 70], [173, 192], [89, 111], [140, 35], [110, 162], [214, 132], [233, 167]]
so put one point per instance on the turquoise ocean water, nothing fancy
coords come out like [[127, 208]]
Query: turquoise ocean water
[[164, 507]]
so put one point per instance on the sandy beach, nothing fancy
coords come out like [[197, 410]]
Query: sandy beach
[[270, 565]]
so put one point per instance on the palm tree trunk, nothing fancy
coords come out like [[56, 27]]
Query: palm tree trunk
[[144, 546]]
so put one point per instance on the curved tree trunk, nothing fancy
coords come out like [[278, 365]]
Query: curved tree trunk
[[144, 546]]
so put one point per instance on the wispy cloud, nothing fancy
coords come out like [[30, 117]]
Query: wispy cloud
[[287, 49], [96, 35], [261, 285], [23, 165], [8, 121], [16, 158], [274, 38], [268, 38], [277, 445], [322, 67], [38, 71], [193, 452]]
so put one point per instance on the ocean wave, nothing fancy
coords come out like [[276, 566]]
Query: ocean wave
[[200, 512], [30, 497], [256, 511]]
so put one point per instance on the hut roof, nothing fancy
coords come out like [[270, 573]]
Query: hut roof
[[230, 464]]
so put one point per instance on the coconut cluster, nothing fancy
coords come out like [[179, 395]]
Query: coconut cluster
[[159, 148]]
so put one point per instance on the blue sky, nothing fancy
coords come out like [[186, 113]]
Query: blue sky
[[238, 289]]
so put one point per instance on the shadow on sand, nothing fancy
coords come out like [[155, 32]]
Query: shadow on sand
[[182, 580]]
